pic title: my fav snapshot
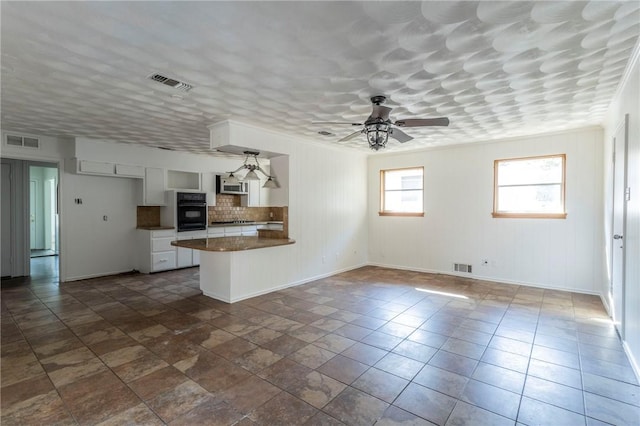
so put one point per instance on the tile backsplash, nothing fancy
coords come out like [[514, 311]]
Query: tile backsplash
[[147, 216], [228, 208]]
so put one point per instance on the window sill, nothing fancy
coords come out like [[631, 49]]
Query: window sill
[[401, 214], [530, 215]]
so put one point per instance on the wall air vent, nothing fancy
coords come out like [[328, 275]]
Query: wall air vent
[[462, 267], [22, 141], [185, 87]]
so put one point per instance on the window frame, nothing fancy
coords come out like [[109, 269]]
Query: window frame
[[530, 215], [382, 211]]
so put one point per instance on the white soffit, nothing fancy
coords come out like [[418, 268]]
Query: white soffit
[[496, 69]]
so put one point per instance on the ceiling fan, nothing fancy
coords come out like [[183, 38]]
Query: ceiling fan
[[378, 127]]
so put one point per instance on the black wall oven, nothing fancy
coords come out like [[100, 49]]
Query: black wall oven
[[191, 211]]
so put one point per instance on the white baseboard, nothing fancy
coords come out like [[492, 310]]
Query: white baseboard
[[486, 278], [632, 359], [98, 275]]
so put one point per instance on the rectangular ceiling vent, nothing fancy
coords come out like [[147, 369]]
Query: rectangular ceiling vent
[[462, 267], [23, 141], [185, 87]]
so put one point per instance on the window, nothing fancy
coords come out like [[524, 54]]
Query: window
[[531, 187], [401, 192]]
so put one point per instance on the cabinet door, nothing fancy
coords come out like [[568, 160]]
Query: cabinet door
[[96, 168], [154, 187], [129, 171], [252, 199], [184, 257], [209, 187]]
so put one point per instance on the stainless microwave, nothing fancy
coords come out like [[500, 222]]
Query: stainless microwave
[[224, 187]]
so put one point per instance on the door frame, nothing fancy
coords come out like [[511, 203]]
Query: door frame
[[619, 311]]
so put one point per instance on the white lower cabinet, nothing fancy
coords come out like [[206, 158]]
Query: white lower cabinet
[[154, 250], [188, 257], [233, 231]]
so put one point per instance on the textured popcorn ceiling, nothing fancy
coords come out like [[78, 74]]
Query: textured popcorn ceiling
[[496, 69]]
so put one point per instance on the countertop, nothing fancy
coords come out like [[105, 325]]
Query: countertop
[[232, 243]]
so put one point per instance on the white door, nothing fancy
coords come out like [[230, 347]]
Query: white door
[[6, 221], [33, 200], [617, 243]]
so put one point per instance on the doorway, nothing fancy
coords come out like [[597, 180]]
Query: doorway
[[617, 288], [43, 221]]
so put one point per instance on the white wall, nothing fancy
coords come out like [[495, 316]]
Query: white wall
[[95, 247], [458, 226], [627, 101]]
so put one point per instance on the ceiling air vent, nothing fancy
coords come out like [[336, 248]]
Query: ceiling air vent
[[23, 141], [171, 82]]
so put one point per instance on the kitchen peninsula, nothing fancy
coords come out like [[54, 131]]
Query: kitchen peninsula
[[223, 263]]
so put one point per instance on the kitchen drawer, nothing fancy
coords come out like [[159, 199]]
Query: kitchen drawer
[[162, 244], [247, 229], [215, 232], [163, 233], [162, 261], [187, 235]]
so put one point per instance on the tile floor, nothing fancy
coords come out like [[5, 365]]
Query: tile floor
[[370, 346]]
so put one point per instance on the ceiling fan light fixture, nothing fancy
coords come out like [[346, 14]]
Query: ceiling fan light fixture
[[377, 135]]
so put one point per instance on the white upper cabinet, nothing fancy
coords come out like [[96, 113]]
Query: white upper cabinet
[[209, 187], [253, 198], [153, 188], [126, 170]]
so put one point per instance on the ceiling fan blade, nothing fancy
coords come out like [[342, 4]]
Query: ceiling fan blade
[[418, 122], [380, 111], [336, 122], [399, 135], [351, 136]]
